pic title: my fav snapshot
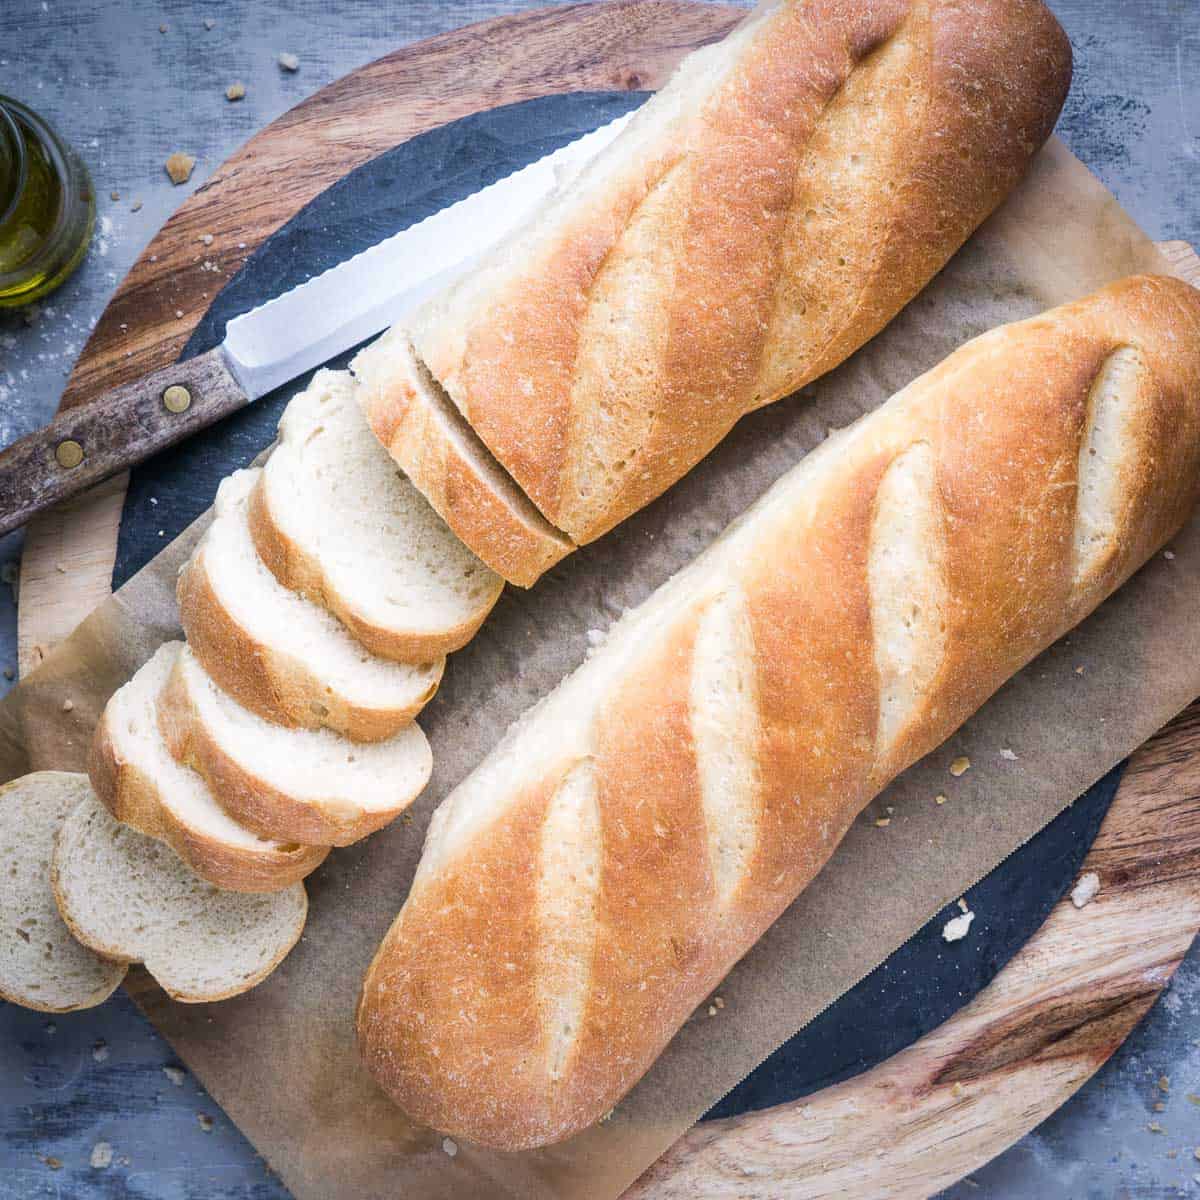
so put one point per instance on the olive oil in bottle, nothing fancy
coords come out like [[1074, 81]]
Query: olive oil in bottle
[[46, 207]]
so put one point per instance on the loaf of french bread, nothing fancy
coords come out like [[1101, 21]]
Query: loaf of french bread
[[764, 215], [589, 884]]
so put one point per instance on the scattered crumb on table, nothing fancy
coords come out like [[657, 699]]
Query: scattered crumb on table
[[1084, 892]]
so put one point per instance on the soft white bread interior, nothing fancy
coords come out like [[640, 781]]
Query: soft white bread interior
[[767, 212], [283, 656], [334, 519], [42, 966], [632, 836], [131, 899], [140, 783], [300, 785], [432, 443]]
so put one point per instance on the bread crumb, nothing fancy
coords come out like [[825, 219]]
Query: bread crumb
[[101, 1155], [1159, 1106], [1008, 755], [956, 1090], [1079, 670], [960, 766], [179, 167], [450, 1146], [883, 822], [1169, 555], [68, 705], [1164, 1084], [235, 91], [175, 1074], [963, 905], [718, 1001], [100, 1050], [957, 928], [55, 1164], [206, 1122], [60, 568], [1084, 892], [289, 62], [1155, 1127], [114, 195], [712, 1010], [207, 238], [939, 799], [179, 313]]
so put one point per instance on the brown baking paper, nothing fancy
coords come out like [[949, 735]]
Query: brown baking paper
[[282, 1060]]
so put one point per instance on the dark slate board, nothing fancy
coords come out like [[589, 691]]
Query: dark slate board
[[926, 980]]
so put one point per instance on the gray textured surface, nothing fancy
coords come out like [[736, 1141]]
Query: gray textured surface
[[127, 95]]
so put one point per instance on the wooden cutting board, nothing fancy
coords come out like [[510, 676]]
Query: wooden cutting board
[[1052, 1016]]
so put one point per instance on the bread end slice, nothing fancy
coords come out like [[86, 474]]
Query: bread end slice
[[309, 786], [434, 446], [129, 898], [141, 785], [42, 965]]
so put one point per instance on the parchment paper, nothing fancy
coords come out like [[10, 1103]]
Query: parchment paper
[[281, 1060]]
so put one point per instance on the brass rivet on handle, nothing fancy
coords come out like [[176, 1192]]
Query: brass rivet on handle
[[177, 398], [69, 454]]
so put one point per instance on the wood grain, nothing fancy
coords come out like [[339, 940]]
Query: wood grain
[[627, 45], [115, 431]]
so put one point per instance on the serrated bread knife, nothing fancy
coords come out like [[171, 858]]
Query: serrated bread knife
[[275, 342]]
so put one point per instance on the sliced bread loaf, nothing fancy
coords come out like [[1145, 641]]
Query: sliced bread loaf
[[432, 443], [41, 965], [335, 520], [280, 655], [141, 784], [303, 785], [130, 898]]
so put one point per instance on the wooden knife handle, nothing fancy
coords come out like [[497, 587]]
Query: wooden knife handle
[[116, 430]]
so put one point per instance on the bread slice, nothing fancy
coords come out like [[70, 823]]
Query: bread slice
[[432, 443], [41, 965], [280, 655], [336, 521], [301, 785], [130, 898], [141, 784]]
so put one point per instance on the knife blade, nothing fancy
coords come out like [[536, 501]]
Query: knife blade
[[277, 341]]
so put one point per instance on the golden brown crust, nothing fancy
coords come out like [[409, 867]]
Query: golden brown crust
[[520, 547], [276, 686], [250, 798], [300, 571], [133, 798], [1003, 423], [784, 221]]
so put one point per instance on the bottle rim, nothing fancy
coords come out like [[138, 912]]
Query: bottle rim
[[72, 222], [14, 147]]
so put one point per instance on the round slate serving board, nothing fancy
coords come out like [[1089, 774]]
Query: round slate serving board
[[357, 193]]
